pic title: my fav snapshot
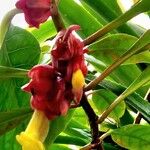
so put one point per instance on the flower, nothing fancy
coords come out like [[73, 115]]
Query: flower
[[68, 59], [68, 53], [36, 132], [48, 91], [36, 11]]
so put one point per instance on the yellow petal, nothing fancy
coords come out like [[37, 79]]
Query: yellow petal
[[36, 132], [38, 126], [78, 82], [28, 143]]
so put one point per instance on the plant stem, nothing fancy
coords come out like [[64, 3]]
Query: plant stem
[[104, 74], [109, 110], [135, 10], [138, 82], [92, 121], [6, 21], [142, 42], [58, 22]]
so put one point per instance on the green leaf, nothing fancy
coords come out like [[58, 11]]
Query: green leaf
[[47, 30], [135, 137], [102, 100], [56, 127], [78, 132], [127, 118], [108, 146], [11, 119], [9, 72], [113, 46], [19, 50], [93, 12], [87, 21], [74, 123], [80, 116], [138, 82], [141, 6], [110, 10], [134, 100], [120, 75], [61, 139], [138, 47], [59, 146]]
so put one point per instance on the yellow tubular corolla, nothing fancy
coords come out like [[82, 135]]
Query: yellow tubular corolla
[[78, 82], [36, 132]]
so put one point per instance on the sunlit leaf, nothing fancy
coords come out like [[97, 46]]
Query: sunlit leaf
[[135, 137], [103, 98], [56, 127], [11, 119]]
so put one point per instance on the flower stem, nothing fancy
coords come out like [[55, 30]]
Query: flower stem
[[6, 21], [92, 121], [58, 22]]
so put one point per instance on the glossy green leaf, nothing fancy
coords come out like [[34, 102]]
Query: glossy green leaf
[[113, 46], [10, 120], [46, 31], [80, 116], [78, 132], [19, 50], [135, 137], [74, 123], [108, 146], [120, 75], [139, 46], [87, 21], [93, 12], [141, 6], [134, 100], [138, 82], [70, 140], [102, 100], [59, 146], [110, 10], [56, 127]]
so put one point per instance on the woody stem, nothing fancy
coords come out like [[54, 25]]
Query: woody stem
[[92, 121], [58, 22]]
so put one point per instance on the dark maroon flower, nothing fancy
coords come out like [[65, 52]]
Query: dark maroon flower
[[36, 11], [68, 53], [48, 91], [68, 59]]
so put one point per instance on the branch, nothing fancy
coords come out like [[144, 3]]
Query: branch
[[92, 121], [58, 22], [5, 23]]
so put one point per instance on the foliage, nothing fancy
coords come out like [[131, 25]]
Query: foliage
[[120, 96]]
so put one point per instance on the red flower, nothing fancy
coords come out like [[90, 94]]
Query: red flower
[[36, 11], [54, 86], [68, 59], [48, 91], [68, 53]]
